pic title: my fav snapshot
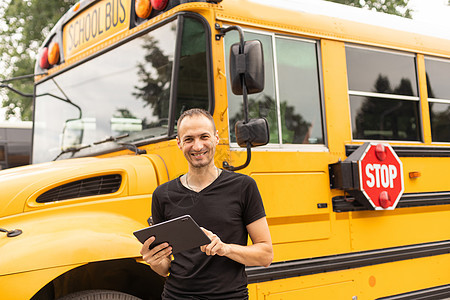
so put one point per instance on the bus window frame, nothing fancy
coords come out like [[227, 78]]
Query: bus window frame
[[436, 100], [171, 134], [387, 96], [4, 160], [280, 146], [209, 57]]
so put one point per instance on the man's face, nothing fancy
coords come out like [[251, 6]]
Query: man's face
[[197, 139]]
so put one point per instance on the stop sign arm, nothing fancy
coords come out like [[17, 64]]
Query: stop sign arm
[[373, 174], [344, 175]]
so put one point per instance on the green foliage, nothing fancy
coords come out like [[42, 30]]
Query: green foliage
[[394, 7], [23, 27]]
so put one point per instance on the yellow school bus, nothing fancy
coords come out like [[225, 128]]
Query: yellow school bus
[[353, 109]]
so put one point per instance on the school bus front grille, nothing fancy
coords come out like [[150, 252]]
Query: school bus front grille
[[93, 186]]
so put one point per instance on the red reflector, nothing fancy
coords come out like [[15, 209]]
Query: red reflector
[[159, 4], [43, 61], [143, 8], [380, 152]]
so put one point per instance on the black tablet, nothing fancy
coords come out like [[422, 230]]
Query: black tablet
[[181, 233]]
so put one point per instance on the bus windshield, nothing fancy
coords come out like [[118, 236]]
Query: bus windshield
[[124, 92]]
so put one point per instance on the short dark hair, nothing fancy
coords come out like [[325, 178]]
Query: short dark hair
[[196, 112]]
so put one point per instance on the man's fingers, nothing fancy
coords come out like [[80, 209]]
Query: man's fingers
[[146, 246], [157, 254], [162, 253], [211, 248]]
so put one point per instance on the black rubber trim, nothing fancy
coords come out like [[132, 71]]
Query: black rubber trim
[[349, 203], [345, 261], [410, 151], [437, 292]]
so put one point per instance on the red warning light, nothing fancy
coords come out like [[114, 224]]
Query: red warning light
[[43, 61], [385, 202], [380, 152], [159, 4]]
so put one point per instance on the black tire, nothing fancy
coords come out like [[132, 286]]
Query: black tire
[[99, 295]]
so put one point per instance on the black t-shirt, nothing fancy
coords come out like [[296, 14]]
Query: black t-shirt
[[225, 207]]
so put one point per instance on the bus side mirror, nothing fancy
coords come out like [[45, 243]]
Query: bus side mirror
[[250, 64], [72, 134], [255, 132]]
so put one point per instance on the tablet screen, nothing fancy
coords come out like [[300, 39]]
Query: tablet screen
[[181, 233]]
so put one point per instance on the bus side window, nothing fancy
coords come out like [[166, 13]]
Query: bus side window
[[192, 90], [438, 77], [383, 94], [291, 99], [299, 91]]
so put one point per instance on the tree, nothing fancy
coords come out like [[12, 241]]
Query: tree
[[23, 27], [394, 7]]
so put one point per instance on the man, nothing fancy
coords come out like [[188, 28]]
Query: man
[[226, 205]]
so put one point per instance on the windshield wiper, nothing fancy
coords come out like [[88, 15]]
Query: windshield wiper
[[72, 150], [112, 139], [129, 146]]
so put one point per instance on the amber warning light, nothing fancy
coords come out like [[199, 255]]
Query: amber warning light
[[49, 56], [143, 8]]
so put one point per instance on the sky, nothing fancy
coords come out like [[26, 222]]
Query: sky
[[433, 12]]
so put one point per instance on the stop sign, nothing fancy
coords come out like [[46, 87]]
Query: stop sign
[[381, 176]]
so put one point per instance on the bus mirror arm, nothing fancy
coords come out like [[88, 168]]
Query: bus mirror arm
[[229, 167], [246, 77], [16, 91], [66, 99]]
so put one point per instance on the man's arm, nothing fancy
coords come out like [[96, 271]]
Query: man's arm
[[260, 253], [158, 257]]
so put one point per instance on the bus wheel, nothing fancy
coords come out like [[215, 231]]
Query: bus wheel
[[99, 295]]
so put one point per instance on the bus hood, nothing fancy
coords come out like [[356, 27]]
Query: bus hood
[[21, 186]]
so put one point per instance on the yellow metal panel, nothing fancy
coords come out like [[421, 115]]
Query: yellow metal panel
[[405, 226], [292, 194], [288, 198], [138, 177], [433, 174], [171, 155], [337, 108], [339, 290], [319, 286], [73, 234], [160, 166], [402, 276], [423, 93], [336, 233], [21, 286], [365, 283], [318, 227]]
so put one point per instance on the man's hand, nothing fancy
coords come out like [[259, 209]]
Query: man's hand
[[260, 253], [216, 246], [158, 257]]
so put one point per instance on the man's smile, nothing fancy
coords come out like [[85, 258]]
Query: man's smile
[[199, 154]]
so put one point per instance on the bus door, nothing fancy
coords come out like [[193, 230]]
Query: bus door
[[291, 171]]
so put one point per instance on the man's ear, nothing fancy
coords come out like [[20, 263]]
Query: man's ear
[[178, 142]]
